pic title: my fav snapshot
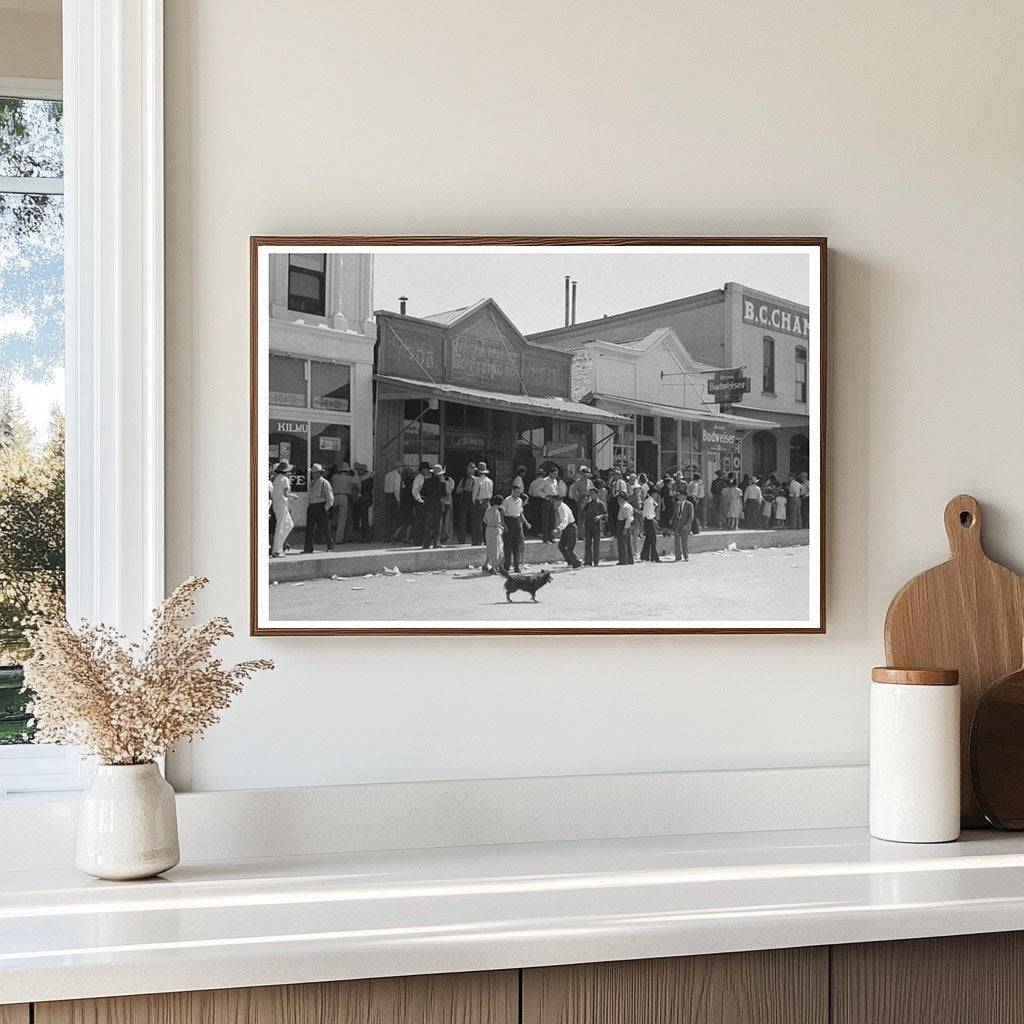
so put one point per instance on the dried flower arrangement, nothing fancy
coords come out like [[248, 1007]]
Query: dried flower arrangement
[[129, 703]]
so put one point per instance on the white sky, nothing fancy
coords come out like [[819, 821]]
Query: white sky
[[39, 399], [530, 287]]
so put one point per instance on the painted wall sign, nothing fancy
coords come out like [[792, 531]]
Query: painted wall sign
[[543, 377], [460, 439], [772, 316], [482, 356], [406, 351]]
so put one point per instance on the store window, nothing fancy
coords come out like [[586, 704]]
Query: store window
[[330, 444], [768, 360], [669, 445], [288, 382], [289, 442], [534, 431], [471, 417], [624, 449], [421, 432], [765, 454], [581, 435], [801, 373], [307, 283], [330, 386], [689, 453], [799, 454], [32, 540], [645, 426]]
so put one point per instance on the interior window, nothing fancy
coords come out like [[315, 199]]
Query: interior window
[[307, 283]]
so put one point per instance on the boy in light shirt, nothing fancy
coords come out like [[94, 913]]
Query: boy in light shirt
[[780, 510]]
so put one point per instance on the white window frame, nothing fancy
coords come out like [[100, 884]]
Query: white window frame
[[114, 321]]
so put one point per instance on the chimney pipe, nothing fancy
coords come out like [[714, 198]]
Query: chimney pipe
[[574, 302], [566, 300], [402, 300]]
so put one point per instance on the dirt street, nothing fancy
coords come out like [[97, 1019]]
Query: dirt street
[[767, 583]]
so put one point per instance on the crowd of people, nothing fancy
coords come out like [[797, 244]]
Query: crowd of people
[[427, 507], [339, 500]]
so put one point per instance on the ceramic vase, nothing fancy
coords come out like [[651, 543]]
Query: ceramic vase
[[127, 825]]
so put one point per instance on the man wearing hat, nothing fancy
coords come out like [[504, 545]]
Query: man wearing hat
[[432, 494], [547, 489], [463, 503], [362, 501], [321, 499], [581, 487], [483, 489], [345, 488], [593, 513], [418, 516]]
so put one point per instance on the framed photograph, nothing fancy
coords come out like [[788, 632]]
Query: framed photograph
[[537, 435]]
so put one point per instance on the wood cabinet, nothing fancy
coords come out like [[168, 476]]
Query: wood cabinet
[[970, 979], [776, 986], [484, 998], [962, 979]]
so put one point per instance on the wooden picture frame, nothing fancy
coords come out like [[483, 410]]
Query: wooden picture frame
[[758, 312]]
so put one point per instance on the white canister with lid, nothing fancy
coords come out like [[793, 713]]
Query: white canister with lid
[[915, 755]]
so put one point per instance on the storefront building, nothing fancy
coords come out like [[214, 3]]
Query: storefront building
[[321, 363], [661, 388], [654, 364], [770, 337], [465, 386]]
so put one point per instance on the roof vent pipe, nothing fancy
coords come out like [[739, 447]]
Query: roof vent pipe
[[402, 300], [566, 300], [574, 302]]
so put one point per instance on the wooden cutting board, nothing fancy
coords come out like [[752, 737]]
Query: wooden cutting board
[[967, 614]]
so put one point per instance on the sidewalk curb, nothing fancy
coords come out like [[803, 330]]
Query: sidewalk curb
[[407, 559]]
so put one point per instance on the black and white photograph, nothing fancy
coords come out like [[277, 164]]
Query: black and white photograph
[[573, 435]]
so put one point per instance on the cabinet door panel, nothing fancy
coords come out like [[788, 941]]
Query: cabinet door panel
[[961, 979], [482, 998], [778, 986], [14, 1013]]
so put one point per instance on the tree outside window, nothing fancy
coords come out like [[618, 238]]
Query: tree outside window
[[31, 386]]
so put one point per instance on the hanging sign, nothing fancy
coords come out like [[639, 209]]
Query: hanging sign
[[728, 386]]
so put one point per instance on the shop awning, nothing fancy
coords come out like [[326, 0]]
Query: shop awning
[[558, 408], [708, 415]]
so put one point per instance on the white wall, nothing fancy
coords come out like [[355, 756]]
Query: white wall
[[895, 129]]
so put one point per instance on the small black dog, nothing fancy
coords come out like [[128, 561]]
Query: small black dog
[[530, 582]]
